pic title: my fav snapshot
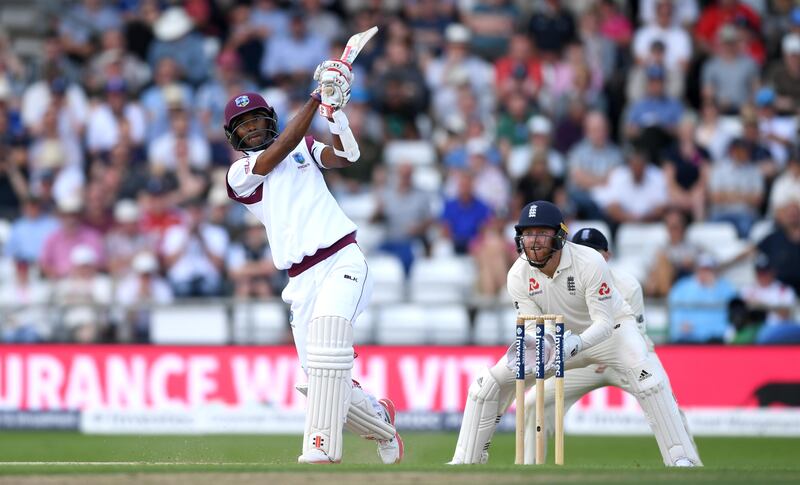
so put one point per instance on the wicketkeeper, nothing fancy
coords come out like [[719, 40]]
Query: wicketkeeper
[[555, 276], [578, 382]]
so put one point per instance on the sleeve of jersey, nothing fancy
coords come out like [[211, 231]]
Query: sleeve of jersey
[[636, 301], [243, 185], [315, 149], [517, 288], [599, 300]]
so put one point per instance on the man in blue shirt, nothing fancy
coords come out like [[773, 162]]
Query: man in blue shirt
[[698, 305], [29, 232], [655, 109], [464, 215]]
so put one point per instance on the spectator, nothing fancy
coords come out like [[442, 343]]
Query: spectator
[[321, 21], [491, 184], [493, 254], [29, 233], [126, 239], [729, 77], [589, 163], [685, 11], [540, 130], [686, 168], [66, 180], [539, 183], [653, 119], [784, 75], [158, 213], [250, 266], [116, 120], [512, 124], [114, 64], [177, 40], [179, 145], [699, 305], [84, 292], [398, 91], [714, 133], [778, 131], [715, 17], [291, 58], [85, 22], [569, 129], [786, 189], [674, 78], [757, 148], [519, 73], [674, 261], [194, 254], [492, 23], [735, 189], [597, 45], [676, 41], [13, 178], [464, 215], [136, 294], [635, 192], [614, 24], [166, 92], [552, 27], [783, 246], [574, 75], [22, 306], [56, 255], [776, 300], [406, 212]]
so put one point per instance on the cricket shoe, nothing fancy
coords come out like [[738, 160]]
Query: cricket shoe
[[684, 462], [315, 456], [390, 451]]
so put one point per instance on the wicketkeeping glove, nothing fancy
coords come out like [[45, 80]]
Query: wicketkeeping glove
[[572, 345], [530, 354]]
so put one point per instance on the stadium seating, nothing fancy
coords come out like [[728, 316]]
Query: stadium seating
[[416, 152], [364, 328], [388, 277], [358, 207], [448, 325], [190, 324], [441, 280], [405, 324], [260, 323], [760, 230], [637, 245], [712, 236]]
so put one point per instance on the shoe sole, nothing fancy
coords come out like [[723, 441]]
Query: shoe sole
[[390, 409]]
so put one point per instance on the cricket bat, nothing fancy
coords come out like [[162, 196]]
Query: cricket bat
[[354, 45]]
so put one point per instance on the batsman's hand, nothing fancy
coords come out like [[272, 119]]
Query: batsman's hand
[[335, 66], [335, 92]]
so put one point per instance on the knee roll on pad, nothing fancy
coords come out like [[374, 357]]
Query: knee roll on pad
[[329, 363]]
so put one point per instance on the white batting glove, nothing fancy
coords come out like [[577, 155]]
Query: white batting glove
[[335, 92], [334, 65]]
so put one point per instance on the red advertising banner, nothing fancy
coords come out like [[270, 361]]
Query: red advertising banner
[[56, 377]]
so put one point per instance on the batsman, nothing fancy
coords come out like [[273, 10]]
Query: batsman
[[279, 179], [555, 276]]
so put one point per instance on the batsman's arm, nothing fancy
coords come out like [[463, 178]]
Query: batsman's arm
[[288, 139], [599, 297]]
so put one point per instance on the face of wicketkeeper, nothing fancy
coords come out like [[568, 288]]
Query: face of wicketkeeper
[[251, 127], [538, 243]]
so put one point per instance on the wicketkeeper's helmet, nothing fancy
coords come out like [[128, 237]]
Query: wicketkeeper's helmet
[[541, 213], [244, 103]]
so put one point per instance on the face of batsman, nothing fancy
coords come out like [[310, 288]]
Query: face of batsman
[[251, 124]]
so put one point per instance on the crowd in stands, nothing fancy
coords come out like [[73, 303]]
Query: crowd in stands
[[113, 158]]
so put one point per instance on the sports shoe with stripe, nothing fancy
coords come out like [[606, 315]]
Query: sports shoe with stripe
[[390, 451]]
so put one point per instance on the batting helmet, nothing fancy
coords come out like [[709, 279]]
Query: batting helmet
[[592, 238], [541, 213], [244, 103]]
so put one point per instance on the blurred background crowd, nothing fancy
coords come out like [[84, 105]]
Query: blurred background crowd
[[670, 124]]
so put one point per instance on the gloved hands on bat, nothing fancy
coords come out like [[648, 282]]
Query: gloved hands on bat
[[335, 78]]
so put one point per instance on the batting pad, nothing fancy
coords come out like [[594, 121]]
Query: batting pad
[[364, 417], [650, 385], [330, 360]]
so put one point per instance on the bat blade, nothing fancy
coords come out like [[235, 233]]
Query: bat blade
[[356, 43]]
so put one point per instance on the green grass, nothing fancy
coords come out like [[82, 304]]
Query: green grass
[[594, 459]]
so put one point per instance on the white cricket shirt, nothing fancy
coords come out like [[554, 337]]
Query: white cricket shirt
[[582, 289], [292, 201], [631, 291]]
